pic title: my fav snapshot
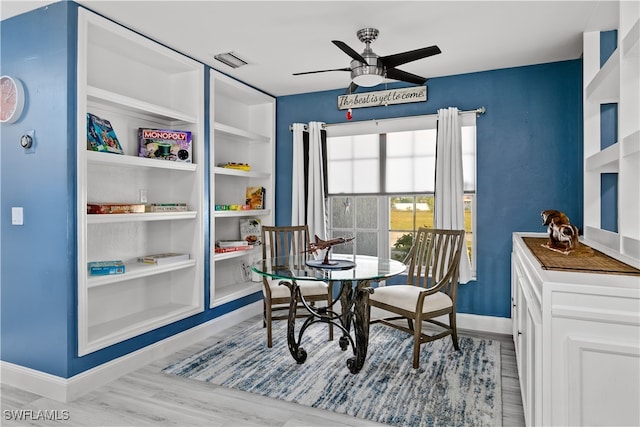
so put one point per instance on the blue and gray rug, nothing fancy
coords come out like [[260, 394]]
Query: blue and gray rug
[[449, 389]]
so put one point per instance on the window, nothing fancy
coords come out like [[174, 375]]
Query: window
[[381, 182]]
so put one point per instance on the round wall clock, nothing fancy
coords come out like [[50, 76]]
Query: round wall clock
[[11, 99]]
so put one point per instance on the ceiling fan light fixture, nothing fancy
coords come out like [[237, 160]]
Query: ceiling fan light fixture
[[367, 76]]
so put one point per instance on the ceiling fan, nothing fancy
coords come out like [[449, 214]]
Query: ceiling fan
[[368, 69]]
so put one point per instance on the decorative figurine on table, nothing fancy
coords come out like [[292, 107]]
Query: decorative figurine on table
[[320, 244], [563, 236]]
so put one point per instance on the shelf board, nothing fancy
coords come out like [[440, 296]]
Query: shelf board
[[631, 42], [234, 254], [604, 87], [234, 291], [235, 172], [116, 330], [241, 213], [250, 137], [131, 104], [631, 144], [137, 270], [605, 161], [110, 159], [139, 217]]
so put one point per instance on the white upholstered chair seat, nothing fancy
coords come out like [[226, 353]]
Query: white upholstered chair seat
[[405, 297], [307, 287]]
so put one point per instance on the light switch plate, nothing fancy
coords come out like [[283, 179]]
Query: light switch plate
[[17, 216]]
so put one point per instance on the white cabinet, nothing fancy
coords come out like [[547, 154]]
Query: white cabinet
[[135, 83], [616, 82], [577, 340], [242, 131]]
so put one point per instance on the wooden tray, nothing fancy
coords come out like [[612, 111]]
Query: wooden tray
[[584, 259]]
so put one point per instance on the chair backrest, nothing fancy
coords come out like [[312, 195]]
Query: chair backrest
[[434, 259], [284, 241]]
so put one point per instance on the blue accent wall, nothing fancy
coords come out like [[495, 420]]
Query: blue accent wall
[[529, 157], [38, 258]]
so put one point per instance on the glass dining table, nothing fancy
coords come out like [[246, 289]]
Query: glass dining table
[[354, 273]]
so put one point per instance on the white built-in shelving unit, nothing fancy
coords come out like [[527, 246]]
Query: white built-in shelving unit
[[134, 82], [616, 82], [242, 131]]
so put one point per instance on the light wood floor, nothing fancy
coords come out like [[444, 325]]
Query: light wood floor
[[146, 397]]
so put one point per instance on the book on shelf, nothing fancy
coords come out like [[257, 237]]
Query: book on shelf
[[101, 136], [166, 207], [164, 258], [220, 250], [255, 197], [105, 268], [231, 243], [165, 144], [250, 231], [114, 208]]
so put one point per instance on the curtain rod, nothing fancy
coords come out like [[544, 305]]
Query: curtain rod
[[478, 112]]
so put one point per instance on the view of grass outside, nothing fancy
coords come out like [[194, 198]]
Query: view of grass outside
[[408, 213]]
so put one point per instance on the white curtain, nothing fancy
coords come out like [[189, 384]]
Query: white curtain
[[449, 206], [316, 207], [313, 212], [298, 207]]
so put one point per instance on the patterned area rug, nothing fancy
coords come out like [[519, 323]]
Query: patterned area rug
[[450, 388]]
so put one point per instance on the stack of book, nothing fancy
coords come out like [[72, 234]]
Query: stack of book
[[166, 258], [223, 246]]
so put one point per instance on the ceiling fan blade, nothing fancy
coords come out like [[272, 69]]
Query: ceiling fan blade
[[322, 71], [352, 53], [391, 61], [352, 88], [396, 74]]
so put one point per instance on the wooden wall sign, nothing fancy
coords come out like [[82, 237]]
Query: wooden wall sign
[[383, 97]]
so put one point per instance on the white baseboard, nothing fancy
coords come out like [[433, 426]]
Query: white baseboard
[[68, 389], [474, 322]]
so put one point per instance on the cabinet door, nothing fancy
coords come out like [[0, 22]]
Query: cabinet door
[[595, 345]]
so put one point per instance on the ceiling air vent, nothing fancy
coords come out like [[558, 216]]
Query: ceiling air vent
[[231, 59]]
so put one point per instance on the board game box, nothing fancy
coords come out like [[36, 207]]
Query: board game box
[[165, 144], [105, 268], [114, 208], [101, 136]]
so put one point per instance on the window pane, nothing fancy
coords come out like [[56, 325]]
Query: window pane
[[353, 164], [469, 157], [367, 212], [410, 162], [367, 243], [406, 215], [341, 212]]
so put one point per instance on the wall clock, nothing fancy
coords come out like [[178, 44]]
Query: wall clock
[[11, 99]]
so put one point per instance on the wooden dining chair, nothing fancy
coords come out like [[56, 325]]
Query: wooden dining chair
[[289, 241], [432, 280]]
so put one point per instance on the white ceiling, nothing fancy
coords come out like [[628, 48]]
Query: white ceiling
[[278, 38]]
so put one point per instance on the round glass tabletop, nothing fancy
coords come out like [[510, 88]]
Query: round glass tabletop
[[305, 267]]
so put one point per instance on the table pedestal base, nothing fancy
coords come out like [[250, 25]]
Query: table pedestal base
[[355, 309]]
